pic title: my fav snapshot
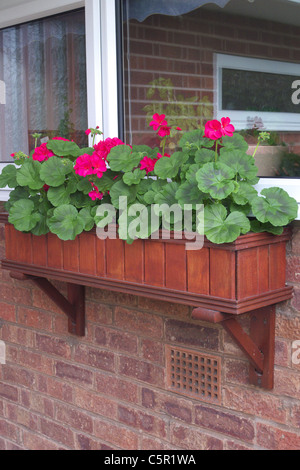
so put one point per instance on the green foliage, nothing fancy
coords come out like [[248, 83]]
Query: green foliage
[[49, 196]]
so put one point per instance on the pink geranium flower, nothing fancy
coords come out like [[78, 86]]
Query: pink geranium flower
[[90, 165], [42, 153], [164, 131], [60, 138], [213, 130], [158, 121], [83, 165], [99, 165], [159, 155], [148, 164], [226, 127], [104, 146]]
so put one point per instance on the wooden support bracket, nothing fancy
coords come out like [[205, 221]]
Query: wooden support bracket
[[258, 345], [73, 307]]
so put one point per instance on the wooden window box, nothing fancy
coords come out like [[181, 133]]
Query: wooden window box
[[221, 282]]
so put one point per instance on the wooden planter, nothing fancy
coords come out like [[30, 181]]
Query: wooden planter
[[219, 281]]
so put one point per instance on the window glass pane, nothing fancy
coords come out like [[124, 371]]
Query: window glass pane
[[42, 82], [244, 90], [171, 66]]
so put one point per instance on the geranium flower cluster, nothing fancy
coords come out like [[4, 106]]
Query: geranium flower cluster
[[42, 153], [215, 130], [159, 124], [95, 164]]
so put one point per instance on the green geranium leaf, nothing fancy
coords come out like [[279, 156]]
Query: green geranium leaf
[[277, 207], [169, 167], [216, 180], [66, 222], [236, 142], [18, 193], [245, 193], [54, 171], [63, 148], [134, 177], [58, 196], [29, 175], [23, 215], [120, 189], [241, 163], [222, 228], [204, 156], [8, 177], [122, 159], [189, 193], [41, 227], [164, 200], [87, 218], [84, 185], [258, 227], [194, 140]]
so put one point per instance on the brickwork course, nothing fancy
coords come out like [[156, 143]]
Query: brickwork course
[[108, 390]]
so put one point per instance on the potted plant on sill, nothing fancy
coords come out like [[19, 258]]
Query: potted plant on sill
[[61, 192], [269, 155]]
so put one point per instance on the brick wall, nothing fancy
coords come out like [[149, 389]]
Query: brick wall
[[181, 49], [108, 390]]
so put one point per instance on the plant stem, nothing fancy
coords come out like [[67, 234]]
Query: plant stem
[[216, 152]]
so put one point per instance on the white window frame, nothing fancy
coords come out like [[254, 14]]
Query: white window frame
[[101, 56], [272, 121]]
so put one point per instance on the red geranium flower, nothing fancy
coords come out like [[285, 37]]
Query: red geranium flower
[[213, 130], [158, 121]]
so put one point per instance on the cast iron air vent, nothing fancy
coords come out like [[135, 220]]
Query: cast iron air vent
[[193, 374]]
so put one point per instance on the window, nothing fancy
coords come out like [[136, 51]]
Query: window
[[100, 56], [43, 82], [253, 90]]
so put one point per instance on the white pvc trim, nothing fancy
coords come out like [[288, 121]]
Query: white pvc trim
[[109, 68]]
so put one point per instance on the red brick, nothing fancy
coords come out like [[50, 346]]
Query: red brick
[[152, 351], [84, 442], [97, 404], [21, 416], [34, 318], [225, 423], [19, 376], [116, 387], [116, 435], [17, 294], [15, 334], [192, 334], [74, 418], [142, 371], [169, 404], [9, 392], [58, 432], [93, 357], [193, 438], [145, 422], [255, 403], [139, 322], [52, 345], [7, 312], [33, 441], [274, 438], [74, 373], [116, 340], [98, 313], [9, 430]]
